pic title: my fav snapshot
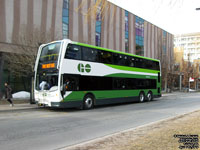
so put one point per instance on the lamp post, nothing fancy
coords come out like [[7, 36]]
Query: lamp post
[[180, 81]]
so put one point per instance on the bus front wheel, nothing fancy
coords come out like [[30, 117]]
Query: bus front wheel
[[88, 102], [141, 97]]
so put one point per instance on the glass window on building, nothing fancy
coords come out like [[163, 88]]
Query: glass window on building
[[139, 35], [126, 32], [65, 19], [98, 39], [126, 45], [164, 42], [98, 26]]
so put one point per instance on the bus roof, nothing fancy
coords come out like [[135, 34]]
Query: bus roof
[[114, 51], [106, 49]]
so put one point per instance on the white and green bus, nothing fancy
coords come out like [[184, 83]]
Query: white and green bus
[[73, 74]]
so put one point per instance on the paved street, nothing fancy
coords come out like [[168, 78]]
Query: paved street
[[50, 129]]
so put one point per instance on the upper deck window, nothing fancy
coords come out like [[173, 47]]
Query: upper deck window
[[73, 52], [50, 52]]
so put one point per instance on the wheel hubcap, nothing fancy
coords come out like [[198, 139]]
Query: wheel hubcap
[[149, 96], [88, 102], [141, 97]]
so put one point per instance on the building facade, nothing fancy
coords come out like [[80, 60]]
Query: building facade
[[96, 22], [187, 58], [190, 43]]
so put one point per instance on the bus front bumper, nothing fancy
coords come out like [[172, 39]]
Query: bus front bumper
[[69, 104]]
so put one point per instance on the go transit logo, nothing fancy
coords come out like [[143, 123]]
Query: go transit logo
[[82, 68]]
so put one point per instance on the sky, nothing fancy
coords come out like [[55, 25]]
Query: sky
[[174, 16]]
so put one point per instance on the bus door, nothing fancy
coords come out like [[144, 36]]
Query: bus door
[[69, 83]]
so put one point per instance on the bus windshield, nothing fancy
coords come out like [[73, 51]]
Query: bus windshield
[[47, 73], [47, 81], [50, 53]]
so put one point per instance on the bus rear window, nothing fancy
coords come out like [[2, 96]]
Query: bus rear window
[[50, 52]]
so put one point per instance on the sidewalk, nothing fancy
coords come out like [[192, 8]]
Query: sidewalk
[[172, 93], [17, 107], [177, 93]]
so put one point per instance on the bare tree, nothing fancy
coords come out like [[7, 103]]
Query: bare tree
[[21, 62], [196, 75], [168, 75], [99, 7], [188, 71]]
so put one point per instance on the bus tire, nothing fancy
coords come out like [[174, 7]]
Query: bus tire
[[141, 97], [88, 102], [149, 96]]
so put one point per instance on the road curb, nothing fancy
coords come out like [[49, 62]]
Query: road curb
[[15, 110], [15, 101]]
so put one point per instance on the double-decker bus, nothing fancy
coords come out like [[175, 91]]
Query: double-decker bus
[[73, 74]]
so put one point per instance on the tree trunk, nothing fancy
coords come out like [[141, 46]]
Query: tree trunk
[[24, 83], [165, 84], [32, 98], [1, 75]]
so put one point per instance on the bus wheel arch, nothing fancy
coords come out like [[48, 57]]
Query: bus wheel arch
[[149, 96], [88, 101], [141, 97]]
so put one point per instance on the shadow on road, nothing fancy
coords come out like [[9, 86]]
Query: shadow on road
[[110, 106]]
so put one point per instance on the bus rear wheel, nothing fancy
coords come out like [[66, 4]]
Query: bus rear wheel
[[149, 96], [88, 102], [141, 97]]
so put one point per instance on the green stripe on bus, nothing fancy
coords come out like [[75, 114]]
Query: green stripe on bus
[[125, 75], [132, 69], [79, 95], [75, 96]]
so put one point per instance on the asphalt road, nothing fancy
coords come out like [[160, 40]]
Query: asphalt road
[[48, 129]]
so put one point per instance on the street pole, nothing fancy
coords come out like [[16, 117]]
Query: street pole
[[180, 82], [189, 86], [196, 85]]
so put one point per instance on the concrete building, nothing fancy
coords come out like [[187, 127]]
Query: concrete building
[[95, 22], [178, 58], [190, 44], [187, 52]]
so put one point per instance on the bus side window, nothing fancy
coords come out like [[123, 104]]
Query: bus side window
[[142, 63], [73, 52], [130, 83], [117, 83], [119, 59], [115, 59], [151, 65], [70, 83], [148, 64], [132, 62], [157, 67], [126, 61], [89, 54], [129, 61], [137, 63], [105, 57]]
